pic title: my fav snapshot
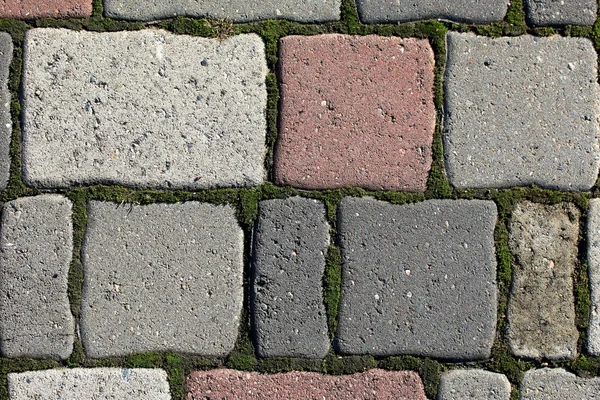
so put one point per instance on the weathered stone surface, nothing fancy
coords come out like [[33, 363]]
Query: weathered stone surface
[[161, 277], [541, 311], [29, 9], [376, 383], [473, 384], [234, 10], [6, 52], [90, 383], [36, 247], [143, 109], [550, 384], [561, 12], [288, 313], [355, 111], [479, 12], [418, 278], [593, 259], [521, 111]]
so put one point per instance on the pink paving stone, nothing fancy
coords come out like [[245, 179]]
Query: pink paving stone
[[45, 8], [373, 384], [355, 111]]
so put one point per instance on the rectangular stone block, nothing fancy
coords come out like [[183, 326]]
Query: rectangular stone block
[[556, 383], [561, 12], [30, 9], [143, 109], [462, 384], [6, 53], [593, 259]]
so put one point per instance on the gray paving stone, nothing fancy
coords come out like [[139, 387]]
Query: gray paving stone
[[473, 384], [593, 259], [161, 277], [143, 109], [479, 12], [521, 111], [234, 10], [556, 383], [541, 310], [290, 244], [36, 248], [417, 279], [6, 52], [561, 12], [90, 383]]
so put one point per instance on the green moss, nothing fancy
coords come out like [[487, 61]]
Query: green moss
[[584, 366], [429, 370], [582, 294], [248, 208], [97, 8], [144, 360], [503, 362], [272, 113], [350, 23], [79, 199], [332, 281], [338, 365], [174, 365], [282, 364]]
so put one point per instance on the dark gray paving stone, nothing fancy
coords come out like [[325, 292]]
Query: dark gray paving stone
[[521, 111], [477, 12], [473, 384], [161, 277], [418, 278], [541, 310], [556, 383], [36, 248], [561, 12], [6, 52], [593, 259], [290, 244], [234, 10]]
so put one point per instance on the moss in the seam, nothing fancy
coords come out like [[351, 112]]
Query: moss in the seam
[[78, 198], [248, 208], [338, 365], [332, 281], [243, 356], [503, 362], [174, 366], [284, 364], [350, 23], [583, 366], [97, 9], [429, 370], [272, 113]]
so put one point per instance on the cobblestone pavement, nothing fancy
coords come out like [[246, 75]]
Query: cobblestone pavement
[[297, 199]]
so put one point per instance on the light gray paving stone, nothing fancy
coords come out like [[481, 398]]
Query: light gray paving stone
[[90, 383], [290, 244], [143, 109], [234, 10], [6, 52], [561, 12], [36, 248], [541, 310], [479, 12], [593, 259], [473, 384], [418, 278], [556, 383], [161, 277], [521, 111]]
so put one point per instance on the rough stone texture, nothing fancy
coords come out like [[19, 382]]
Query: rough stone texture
[[6, 52], [478, 12], [234, 10], [30, 9], [355, 111], [161, 277], [146, 108], [541, 311], [288, 313], [473, 384], [36, 247], [521, 111], [550, 384], [418, 278], [90, 383], [376, 383], [561, 12], [593, 259]]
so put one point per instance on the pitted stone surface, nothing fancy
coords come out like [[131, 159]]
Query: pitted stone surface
[[30, 9], [541, 310], [373, 384], [473, 384], [143, 109], [290, 244], [161, 277], [593, 259], [6, 52], [355, 111], [521, 111], [479, 12], [234, 10], [90, 383], [556, 383], [36, 247], [561, 12], [418, 278]]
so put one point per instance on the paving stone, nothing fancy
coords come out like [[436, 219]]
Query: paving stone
[[541, 311], [561, 12], [418, 278], [593, 259], [6, 51], [556, 383], [473, 384], [355, 111], [30, 9], [234, 10], [144, 109], [161, 277], [290, 244], [521, 111], [90, 383], [373, 384], [36, 248], [480, 12]]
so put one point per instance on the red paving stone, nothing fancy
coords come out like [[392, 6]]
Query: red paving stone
[[45, 8], [355, 111], [373, 384]]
